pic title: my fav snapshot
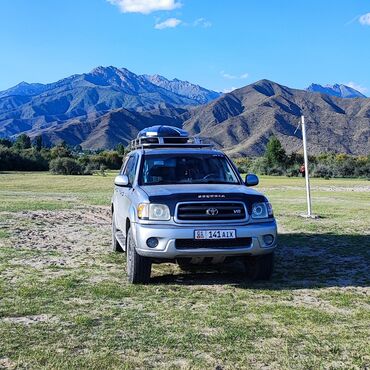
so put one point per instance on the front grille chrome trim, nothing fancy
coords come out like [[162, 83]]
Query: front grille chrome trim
[[208, 219]]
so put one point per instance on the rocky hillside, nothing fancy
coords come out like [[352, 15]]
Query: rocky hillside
[[242, 121], [109, 105], [338, 90], [38, 107]]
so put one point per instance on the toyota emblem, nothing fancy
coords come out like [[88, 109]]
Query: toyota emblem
[[212, 211]]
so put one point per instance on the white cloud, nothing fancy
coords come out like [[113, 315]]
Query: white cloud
[[229, 89], [365, 19], [168, 23], [229, 76], [202, 22], [145, 6], [357, 87]]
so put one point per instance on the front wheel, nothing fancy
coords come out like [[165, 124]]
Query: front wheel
[[260, 267], [138, 267]]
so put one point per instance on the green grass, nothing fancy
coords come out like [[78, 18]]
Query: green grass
[[72, 309]]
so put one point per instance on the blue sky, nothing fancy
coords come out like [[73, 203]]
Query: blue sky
[[219, 44]]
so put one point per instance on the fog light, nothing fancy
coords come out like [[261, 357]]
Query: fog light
[[268, 239], [152, 242]]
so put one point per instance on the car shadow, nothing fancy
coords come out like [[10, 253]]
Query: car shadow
[[302, 261]]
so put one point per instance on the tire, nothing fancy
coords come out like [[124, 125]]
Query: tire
[[260, 267], [115, 246], [138, 267]]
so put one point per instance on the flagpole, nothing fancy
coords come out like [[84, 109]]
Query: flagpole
[[307, 176]]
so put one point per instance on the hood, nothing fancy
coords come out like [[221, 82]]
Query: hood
[[173, 194], [194, 190]]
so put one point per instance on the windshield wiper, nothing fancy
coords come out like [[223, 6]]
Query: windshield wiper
[[213, 182]]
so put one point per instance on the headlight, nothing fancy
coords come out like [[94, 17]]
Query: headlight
[[158, 212], [262, 210]]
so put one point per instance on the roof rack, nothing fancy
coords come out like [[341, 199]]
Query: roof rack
[[167, 142], [166, 137]]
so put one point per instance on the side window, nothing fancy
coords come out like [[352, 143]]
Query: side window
[[130, 168], [121, 171]]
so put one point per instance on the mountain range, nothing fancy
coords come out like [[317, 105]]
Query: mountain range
[[338, 90], [110, 105], [242, 121]]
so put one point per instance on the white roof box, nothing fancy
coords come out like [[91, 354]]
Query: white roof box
[[162, 131], [165, 137]]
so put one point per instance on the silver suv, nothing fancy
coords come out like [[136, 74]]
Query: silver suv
[[178, 200]]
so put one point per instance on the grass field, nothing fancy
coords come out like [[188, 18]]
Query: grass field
[[65, 304]]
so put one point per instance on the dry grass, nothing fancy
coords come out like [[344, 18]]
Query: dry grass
[[65, 304]]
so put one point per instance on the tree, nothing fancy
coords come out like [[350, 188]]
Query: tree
[[37, 143], [275, 154], [60, 151], [23, 142], [6, 142], [120, 149]]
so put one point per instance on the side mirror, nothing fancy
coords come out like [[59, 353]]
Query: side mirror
[[251, 179], [121, 180]]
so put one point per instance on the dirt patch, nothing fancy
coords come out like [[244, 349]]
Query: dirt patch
[[61, 239], [6, 363], [321, 265], [80, 230], [30, 320], [68, 239]]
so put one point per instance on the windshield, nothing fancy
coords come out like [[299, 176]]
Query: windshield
[[187, 169]]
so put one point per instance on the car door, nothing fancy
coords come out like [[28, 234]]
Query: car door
[[117, 195], [123, 193]]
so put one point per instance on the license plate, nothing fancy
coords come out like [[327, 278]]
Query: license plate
[[215, 234]]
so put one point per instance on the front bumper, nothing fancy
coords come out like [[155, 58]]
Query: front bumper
[[167, 235]]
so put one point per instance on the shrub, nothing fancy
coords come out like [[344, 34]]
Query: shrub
[[276, 171], [259, 166], [322, 170], [25, 160], [6, 142], [60, 151], [292, 171], [109, 159], [66, 166], [244, 164]]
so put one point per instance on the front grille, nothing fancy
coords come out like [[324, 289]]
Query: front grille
[[211, 211], [217, 243]]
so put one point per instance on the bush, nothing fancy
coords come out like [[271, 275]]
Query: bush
[[323, 170], [292, 171], [259, 166], [6, 142], [244, 164], [107, 159], [25, 160], [66, 166], [276, 171], [110, 159], [362, 168], [60, 151], [325, 165]]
